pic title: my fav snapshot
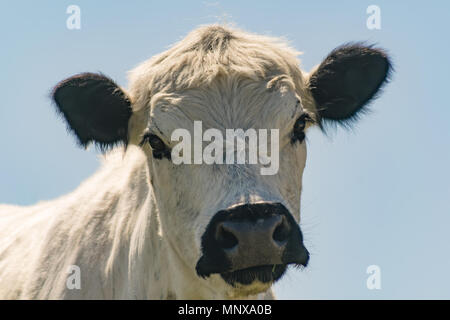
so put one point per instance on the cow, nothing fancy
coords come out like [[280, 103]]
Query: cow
[[143, 227]]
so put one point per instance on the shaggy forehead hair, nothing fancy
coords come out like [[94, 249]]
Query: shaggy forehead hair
[[210, 51]]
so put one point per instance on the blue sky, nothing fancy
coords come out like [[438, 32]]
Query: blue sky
[[378, 194]]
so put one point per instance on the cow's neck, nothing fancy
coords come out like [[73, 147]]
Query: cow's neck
[[154, 270], [135, 263]]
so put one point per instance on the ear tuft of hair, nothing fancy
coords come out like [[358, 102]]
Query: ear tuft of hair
[[95, 108], [347, 80]]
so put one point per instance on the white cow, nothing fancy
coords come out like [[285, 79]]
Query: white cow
[[144, 227]]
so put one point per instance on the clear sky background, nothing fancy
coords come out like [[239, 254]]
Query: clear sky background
[[375, 195]]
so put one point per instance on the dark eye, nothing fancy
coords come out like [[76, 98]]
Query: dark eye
[[298, 134], [159, 148]]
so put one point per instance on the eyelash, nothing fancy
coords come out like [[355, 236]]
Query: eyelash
[[162, 151], [298, 132], [159, 151]]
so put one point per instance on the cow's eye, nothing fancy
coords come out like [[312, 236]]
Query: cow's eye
[[159, 148], [298, 133]]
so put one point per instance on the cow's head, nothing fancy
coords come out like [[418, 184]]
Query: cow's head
[[227, 223]]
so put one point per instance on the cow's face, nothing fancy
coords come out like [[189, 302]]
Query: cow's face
[[229, 222], [233, 220]]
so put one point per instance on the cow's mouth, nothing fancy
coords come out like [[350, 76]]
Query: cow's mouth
[[251, 243], [263, 274]]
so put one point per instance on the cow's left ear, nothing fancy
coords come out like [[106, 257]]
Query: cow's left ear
[[347, 80], [95, 108]]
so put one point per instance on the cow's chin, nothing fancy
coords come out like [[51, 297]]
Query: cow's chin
[[259, 278]]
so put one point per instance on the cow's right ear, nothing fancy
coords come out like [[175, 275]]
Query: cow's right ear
[[95, 107], [347, 80]]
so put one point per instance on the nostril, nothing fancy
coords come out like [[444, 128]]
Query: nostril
[[225, 238], [281, 232]]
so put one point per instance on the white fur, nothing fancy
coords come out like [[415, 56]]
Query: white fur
[[134, 227]]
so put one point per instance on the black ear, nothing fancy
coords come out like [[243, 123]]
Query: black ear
[[347, 80], [95, 108]]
